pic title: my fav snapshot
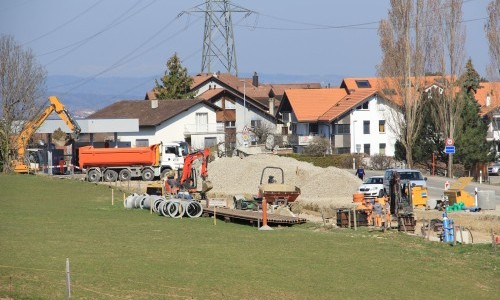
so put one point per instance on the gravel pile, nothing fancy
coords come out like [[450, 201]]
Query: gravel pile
[[320, 187]]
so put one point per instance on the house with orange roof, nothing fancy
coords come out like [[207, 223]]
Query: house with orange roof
[[354, 118], [488, 97], [245, 103]]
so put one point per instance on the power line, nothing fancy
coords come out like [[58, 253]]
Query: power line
[[65, 23], [124, 59], [120, 19]]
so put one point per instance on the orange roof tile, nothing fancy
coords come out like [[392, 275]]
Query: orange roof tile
[[491, 89], [345, 104], [310, 104]]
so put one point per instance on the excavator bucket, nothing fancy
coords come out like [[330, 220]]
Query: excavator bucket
[[206, 186]]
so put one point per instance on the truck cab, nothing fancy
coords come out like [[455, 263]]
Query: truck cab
[[173, 154]]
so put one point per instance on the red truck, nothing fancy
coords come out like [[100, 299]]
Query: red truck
[[126, 163]]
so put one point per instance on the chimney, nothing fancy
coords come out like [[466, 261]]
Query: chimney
[[271, 106], [488, 100], [255, 79], [154, 103]]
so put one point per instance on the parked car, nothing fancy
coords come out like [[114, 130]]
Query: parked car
[[494, 169], [373, 187], [414, 176]]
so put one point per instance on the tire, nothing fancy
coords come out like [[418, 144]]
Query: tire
[[93, 176], [124, 175], [163, 174], [381, 193], [110, 176], [148, 175]]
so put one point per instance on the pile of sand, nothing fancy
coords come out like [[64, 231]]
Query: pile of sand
[[321, 187]]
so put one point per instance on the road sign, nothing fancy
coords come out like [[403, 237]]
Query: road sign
[[449, 142], [449, 149]]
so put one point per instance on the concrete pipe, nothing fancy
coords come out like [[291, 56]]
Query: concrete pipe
[[139, 199], [192, 209], [156, 204], [129, 201], [174, 209], [162, 208]]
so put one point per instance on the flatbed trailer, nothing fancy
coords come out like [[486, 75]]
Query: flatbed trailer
[[253, 217]]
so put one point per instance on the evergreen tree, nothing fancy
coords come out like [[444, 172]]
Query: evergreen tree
[[176, 83], [471, 144]]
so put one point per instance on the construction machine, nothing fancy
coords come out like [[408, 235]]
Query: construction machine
[[188, 177], [401, 202], [275, 192], [19, 164]]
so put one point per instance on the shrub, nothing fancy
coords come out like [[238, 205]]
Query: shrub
[[317, 147], [380, 162]]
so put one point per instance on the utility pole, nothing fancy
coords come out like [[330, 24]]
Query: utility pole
[[219, 50]]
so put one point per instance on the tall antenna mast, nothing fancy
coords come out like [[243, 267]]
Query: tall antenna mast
[[218, 40]]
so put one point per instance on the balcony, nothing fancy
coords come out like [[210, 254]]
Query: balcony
[[204, 128]]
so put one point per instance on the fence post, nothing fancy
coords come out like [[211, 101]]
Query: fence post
[[68, 282]]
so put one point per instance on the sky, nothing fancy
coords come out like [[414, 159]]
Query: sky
[[135, 38]]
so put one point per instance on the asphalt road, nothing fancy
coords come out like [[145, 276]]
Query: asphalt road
[[435, 185]]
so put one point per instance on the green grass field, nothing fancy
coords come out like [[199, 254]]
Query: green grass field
[[116, 253]]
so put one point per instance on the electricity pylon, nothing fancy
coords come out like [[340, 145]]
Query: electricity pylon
[[218, 39]]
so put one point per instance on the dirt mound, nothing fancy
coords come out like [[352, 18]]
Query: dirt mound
[[319, 186]]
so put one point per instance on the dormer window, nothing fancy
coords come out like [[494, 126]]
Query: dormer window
[[363, 84]]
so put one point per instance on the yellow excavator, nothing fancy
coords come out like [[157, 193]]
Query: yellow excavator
[[21, 141]]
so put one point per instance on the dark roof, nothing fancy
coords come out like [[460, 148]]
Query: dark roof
[[141, 109]]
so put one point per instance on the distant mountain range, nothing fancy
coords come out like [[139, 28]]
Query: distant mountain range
[[83, 95]]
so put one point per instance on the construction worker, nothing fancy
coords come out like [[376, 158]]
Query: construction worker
[[387, 209], [360, 172], [369, 212], [377, 211]]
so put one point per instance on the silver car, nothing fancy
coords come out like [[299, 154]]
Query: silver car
[[493, 169], [414, 176], [373, 187]]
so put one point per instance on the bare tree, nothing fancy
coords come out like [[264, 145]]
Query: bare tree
[[447, 103], [492, 29], [22, 81], [406, 39]]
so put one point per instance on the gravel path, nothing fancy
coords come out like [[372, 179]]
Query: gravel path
[[320, 187]]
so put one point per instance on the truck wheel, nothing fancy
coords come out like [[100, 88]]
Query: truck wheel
[[148, 175], [93, 176], [110, 175], [124, 175]]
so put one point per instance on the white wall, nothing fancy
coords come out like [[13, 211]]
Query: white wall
[[378, 109], [174, 129]]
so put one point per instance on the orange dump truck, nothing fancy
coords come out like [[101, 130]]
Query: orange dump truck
[[120, 163]]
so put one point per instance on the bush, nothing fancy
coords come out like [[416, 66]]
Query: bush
[[317, 147], [381, 162], [342, 161]]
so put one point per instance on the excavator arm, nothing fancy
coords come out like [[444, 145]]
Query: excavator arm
[[32, 126]]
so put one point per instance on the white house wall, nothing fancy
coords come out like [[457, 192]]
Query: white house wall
[[378, 109], [174, 129]]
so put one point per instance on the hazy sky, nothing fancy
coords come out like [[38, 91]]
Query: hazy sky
[[131, 38]]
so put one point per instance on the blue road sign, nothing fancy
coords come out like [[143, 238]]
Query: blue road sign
[[449, 149]]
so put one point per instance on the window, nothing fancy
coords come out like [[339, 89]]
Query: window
[[171, 149], [142, 143], [202, 122], [366, 149], [382, 149], [342, 129], [313, 128], [230, 124], [255, 123], [366, 127], [363, 106], [363, 84], [381, 126]]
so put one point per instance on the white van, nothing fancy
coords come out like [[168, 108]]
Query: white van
[[414, 176]]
